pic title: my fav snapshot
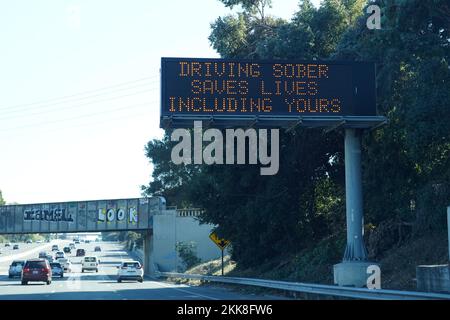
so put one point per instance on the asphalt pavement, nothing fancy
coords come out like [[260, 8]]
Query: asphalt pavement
[[102, 285]]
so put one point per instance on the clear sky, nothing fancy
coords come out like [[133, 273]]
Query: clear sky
[[90, 146]]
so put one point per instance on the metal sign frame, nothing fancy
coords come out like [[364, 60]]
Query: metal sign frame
[[363, 94]]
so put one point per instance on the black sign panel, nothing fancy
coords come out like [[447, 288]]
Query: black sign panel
[[227, 91]]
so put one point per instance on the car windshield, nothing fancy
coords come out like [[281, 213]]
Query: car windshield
[[131, 264], [35, 264]]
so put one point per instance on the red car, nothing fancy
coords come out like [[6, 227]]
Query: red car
[[36, 270]]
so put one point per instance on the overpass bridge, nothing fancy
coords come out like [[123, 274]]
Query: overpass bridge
[[162, 227], [86, 216]]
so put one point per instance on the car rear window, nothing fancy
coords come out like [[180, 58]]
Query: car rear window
[[131, 264], [53, 264], [17, 263], [90, 259], [36, 264]]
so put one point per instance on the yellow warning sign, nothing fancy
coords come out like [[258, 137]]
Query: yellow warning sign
[[221, 243]]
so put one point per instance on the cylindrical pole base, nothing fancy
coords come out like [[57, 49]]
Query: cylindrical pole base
[[355, 250]]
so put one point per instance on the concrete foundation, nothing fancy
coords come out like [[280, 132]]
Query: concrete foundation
[[433, 278], [352, 273]]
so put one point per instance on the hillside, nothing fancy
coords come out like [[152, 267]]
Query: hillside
[[315, 265]]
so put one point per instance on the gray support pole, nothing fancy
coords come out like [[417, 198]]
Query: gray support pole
[[355, 250], [148, 254], [353, 270]]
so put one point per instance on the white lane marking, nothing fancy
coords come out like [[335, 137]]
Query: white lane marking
[[185, 291]]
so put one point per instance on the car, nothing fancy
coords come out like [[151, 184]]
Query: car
[[49, 258], [42, 255], [7, 244], [29, 241], [76, 241], [15, 269], [39, 241], [55, 247], [59, 255], [97, 249], [16, 247], [67, 250], [80, 253], [36, 270], [66, 264], [87, 241], [130, 270], [89, 263], [72, 246], [57, 269]]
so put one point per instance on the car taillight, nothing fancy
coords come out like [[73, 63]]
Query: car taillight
[[45, 270], [26, 270]]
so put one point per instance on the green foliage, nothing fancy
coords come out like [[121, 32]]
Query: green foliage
[[187, 253], [406, 164], [2, 202]]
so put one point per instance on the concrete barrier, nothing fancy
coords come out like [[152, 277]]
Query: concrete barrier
[[433, 278]]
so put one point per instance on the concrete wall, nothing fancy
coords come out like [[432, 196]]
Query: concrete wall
[[168, 229], [433, 278]]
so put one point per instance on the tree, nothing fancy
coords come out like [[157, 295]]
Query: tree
[[406, 169], [412, 152]]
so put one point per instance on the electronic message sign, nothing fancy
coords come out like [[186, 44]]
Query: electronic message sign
[[235, 92]]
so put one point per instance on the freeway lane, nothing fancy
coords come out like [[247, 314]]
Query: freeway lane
[[104, 286]]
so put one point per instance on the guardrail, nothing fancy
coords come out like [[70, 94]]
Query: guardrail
[[348, 292]]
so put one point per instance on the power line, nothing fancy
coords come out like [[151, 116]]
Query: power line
[[78, 94], [76, 106], [74, 100], [66, 128], [74, 118], [104, 100]]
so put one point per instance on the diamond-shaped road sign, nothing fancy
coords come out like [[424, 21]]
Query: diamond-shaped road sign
[[221, 243]]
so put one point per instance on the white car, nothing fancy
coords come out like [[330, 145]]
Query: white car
[[89, 263], [65, 264], [130, 270], [59, 255]]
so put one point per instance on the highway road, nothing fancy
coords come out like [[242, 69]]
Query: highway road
[[102, 285]]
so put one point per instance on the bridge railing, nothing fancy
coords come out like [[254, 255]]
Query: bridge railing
[[327, 290]]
